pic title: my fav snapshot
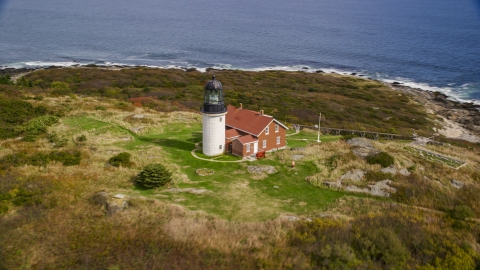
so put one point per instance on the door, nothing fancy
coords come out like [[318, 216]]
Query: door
[[255, 147]]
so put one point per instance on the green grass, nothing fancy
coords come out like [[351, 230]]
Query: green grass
[[79, 124], [293, 187], [234, 194], [303, 138], [256, 199], [225, 157]]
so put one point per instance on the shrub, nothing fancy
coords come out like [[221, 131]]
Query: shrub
[[383, 245], [68, 158], [6, 79], [24, 82], [122, 159], [348, 137], [56, 140], [60, 89], [154, 175], [462, 212], [15, 111], [382, 158], [38, 126], [82, 138], [377, 176], [22, 158]]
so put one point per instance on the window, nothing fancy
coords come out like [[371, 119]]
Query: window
[[276, 127], [278, 140], [247, 148], [264, 144], [220, 147], [266, 131]]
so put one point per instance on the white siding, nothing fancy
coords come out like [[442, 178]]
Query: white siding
[[213, 137]]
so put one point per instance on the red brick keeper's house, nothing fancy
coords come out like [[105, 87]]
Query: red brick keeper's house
[[248, 132]]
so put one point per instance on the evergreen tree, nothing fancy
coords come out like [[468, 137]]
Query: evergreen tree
[[154, 175], [6, 79]]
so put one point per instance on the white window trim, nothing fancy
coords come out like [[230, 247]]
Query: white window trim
[[276, 128], [267, 130], [278, 140], [264, 144]]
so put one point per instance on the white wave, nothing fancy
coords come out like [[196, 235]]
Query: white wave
[[50, 64], [448, 91]]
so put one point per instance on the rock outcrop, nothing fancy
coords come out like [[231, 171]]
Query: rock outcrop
[[353, 175], [116, 204], [112, 204], [457, 184], [461, 120], [362, 147], [380, 188]]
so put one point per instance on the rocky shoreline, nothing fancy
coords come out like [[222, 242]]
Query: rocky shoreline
[[459, 120]]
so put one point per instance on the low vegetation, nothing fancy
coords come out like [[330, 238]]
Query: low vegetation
[[18, 117], [293, 97], [66, 157], [122, 159], [393, 240], [84, 142], [383, 159]]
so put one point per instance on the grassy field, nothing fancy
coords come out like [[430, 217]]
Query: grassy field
[[51, 218], [234, 195], [295, 97]]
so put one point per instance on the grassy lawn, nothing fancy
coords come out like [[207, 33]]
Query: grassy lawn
[[305, 137], [234, 193], [79, 124]]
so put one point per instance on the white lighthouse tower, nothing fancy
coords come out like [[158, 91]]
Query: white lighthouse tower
[[213, 112]]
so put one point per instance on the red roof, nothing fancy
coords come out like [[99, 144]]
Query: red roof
[[245, 120], [231, 133], [247, 139]]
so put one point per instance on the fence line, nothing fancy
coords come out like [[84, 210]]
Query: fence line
[[359, 133]]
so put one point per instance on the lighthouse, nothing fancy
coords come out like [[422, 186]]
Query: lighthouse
[[213, 119]]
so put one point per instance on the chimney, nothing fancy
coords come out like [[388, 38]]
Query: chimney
[[241, 106], [261, 112]]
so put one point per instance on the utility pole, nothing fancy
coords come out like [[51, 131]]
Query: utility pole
[[319, 121]]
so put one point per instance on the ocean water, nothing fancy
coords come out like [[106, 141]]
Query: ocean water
[[429, 44]]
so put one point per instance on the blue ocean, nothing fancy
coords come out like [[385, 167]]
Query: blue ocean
[[428, 44]]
